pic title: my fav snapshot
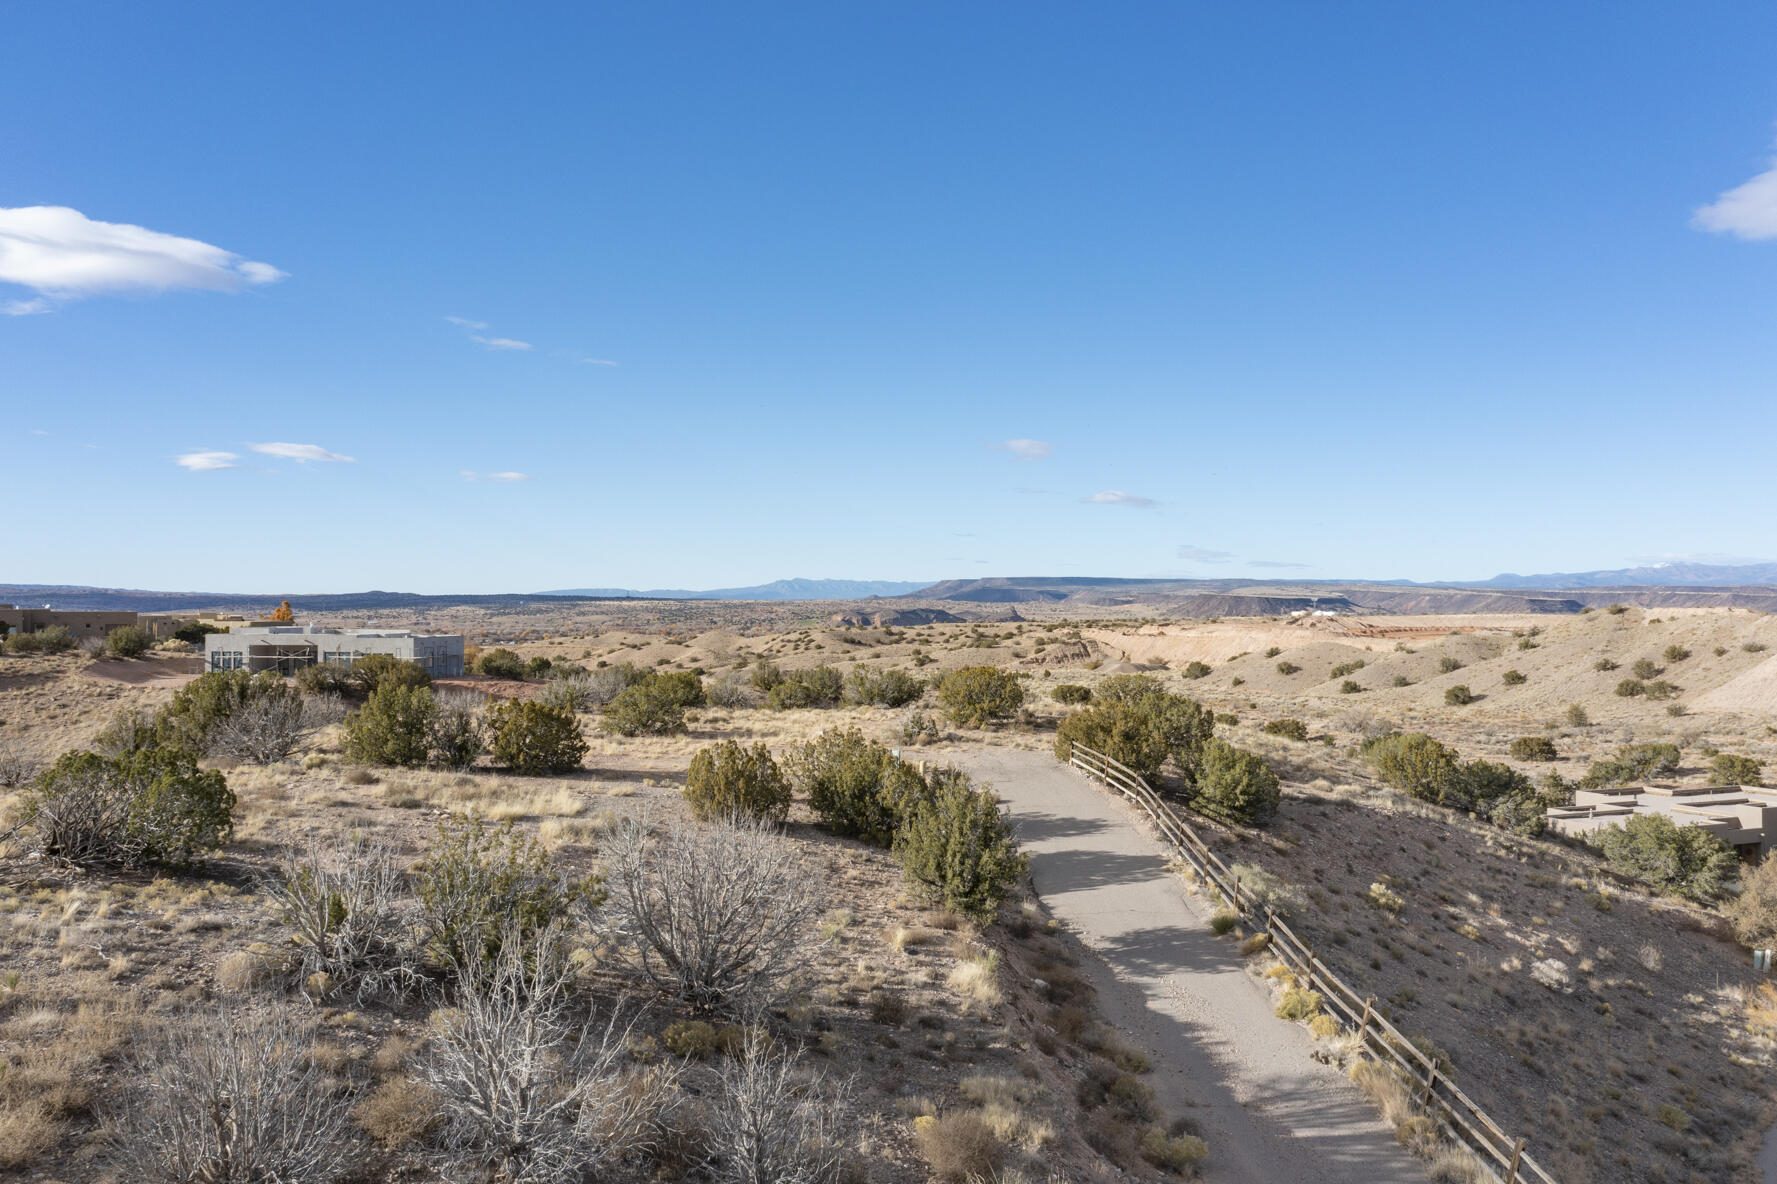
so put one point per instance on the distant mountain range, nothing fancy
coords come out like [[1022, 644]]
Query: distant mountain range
[[1658, 575], [797, 589]]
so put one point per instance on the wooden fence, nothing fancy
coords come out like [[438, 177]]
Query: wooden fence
[[1460, 1119]]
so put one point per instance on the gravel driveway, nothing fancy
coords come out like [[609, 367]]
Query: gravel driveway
[[1270, 1113]]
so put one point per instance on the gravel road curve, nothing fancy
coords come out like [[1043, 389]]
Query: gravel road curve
[[1270, 1113]]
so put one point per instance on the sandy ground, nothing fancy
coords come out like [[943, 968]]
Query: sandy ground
[[1270, 1113]]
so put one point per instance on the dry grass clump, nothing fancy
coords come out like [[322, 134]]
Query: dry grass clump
[[399, 1112], [959, 1146], [977, 978]]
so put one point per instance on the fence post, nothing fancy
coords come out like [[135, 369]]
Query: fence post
[[1363, 1029], [1236, 905], [1517, 1154]]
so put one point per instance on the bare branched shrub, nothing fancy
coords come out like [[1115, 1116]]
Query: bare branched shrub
[[716, 915], [570, 694], [732, 691], [324, 708], [529, 1096], [262, 731], [457, 737], [17, 767], [353, 921], [232, 1098], [607, 682], [777, 1124]]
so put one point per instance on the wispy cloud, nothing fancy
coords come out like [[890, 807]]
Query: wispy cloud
[[500, 342], [1024, 449], [1116, 497], [469, 475], [597, 362], [61, 254], [1747, 211], [300, 452], [207, 462], [1203, 554], [1275, 563], [466, 323]]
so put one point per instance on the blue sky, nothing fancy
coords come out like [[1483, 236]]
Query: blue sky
[[1376, 290]]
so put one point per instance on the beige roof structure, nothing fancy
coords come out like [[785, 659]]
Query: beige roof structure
[[1743, 816]]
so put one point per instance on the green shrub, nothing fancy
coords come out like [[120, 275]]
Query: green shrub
[[1400, 680], [1140, 732], [730, 780], [1298, 1003], [128, 641], [1728, 769], [1629, 688], [1604, 664], [1288, 668], [1071, 694], [324, 678], [1350, 687], [1526, 644], [197, 709], [1413, 763], [1448, 664], [976, 696], [538, 667], [957, 844], [1477, 785], [818, 686], [1644, 668], [1223, 921], [1514, 678], [766, 675], [1177, 1154], [854, 785], [194, 632], [1660, 690], [151, 806], [480, 886], [54, 639], [1292, 729], [1577, 716], [1197, 670], [651, 707], [1237, 784], [23, 643], [1534, 748], [501, 663], [1616, 610], [531, 737], [684, 688], [1753, 647], [1676, 653], [1458, 695], [884, 688], [1651, 760], [1273, 651], [1521, 813], [1680, 860], [1344, 668], [394, 727], [376, 670]]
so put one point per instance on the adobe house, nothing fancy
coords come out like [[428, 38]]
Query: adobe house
[[1742, 816], [288, 648], [79, 624]]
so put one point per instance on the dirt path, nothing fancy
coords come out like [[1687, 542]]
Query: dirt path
[[1271, 1115]]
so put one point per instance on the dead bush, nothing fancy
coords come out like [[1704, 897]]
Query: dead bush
[[530, 1097], [263, 729], [776, 1123], [352, 921], [231, 1097], [399, 1112], [717, 915]]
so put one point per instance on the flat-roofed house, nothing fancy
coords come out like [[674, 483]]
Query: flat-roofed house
[[1742, 816], [288, 648]]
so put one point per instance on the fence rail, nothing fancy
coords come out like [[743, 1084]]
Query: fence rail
[[1460, 1119]]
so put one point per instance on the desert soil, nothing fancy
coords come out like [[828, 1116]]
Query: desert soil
[[1271, 1113]]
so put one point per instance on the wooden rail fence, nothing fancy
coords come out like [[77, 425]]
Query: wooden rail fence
[[1454, 1111]]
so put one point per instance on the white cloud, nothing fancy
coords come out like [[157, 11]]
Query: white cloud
[[207, 462], [470, 475], [299, 452], [500, 342], [1203, 554], [1116, 497], [1747, 211], [1274, 563], [597, 362], [1027, 449], [62, 254], [466, 323]]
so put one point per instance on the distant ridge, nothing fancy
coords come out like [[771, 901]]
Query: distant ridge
[[1657, 575], [796, 589]]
